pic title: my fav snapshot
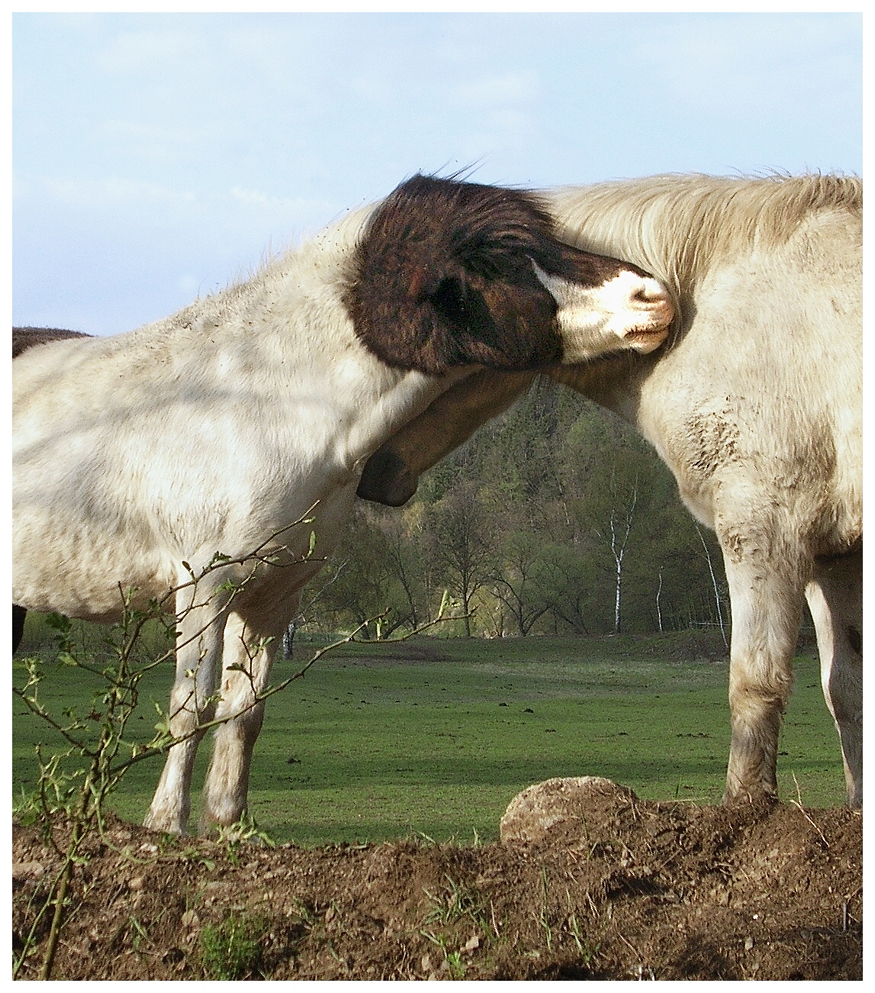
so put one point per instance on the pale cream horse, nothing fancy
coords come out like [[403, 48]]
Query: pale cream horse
[[756, 407], [138, 459]]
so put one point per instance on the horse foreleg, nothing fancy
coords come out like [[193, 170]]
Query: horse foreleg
[[192, 702], [766, 615], [247, 658], [835, 598]]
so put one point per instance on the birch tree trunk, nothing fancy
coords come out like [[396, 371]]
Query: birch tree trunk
[[715, 587], [620, 524]]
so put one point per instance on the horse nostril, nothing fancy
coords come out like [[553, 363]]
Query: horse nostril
[[652, 296], [650, 292]]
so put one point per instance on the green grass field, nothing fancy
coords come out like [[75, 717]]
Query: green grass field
[[435, 736]]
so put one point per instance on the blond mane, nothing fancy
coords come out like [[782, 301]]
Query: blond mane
[[677, 226]]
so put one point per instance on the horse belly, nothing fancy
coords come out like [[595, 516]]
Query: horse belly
[[81, 568], [45, 580], [109, 499], [82, 536]]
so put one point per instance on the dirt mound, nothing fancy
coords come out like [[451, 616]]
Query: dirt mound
[[589, 883]]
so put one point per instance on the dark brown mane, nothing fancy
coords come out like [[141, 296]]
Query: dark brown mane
[[24, 338], [444, 276]]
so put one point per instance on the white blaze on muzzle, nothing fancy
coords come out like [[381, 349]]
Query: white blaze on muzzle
[[630, 311]]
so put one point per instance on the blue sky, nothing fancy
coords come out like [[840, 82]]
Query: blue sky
[[157, 157]]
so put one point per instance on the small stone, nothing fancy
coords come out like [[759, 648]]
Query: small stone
[[22, 871]]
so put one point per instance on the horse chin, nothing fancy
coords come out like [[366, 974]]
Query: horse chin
[[645, 340]]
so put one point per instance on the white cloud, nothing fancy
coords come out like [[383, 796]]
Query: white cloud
[[157, 143], [107, 255], [65, 194], [498, 90], [188, 284], [181, 146], [730, 63], [150, 52]]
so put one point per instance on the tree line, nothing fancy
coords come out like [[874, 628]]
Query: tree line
[[555, 518]]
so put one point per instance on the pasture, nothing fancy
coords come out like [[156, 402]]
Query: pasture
[[432, 737]]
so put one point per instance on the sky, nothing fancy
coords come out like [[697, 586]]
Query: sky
[[158, 157]]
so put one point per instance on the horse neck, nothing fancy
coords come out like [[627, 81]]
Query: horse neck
[[614, 383], [287, 334], [680, 227]]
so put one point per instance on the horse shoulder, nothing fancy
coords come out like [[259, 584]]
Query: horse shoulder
[[763, 391]]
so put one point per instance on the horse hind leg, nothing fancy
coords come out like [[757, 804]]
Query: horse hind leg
[[835, 599], [18, 615]]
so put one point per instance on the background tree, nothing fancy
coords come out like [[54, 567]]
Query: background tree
[[555, 517], [462, 535], [517, 581]]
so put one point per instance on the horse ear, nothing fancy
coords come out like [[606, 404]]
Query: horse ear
[[444, 277]]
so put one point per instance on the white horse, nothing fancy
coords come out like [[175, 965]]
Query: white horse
[[139, 458], [756, 407]]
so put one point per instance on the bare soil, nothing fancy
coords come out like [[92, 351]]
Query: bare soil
[[589, 882]]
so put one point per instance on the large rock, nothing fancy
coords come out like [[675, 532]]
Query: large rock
[[558, 810]]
